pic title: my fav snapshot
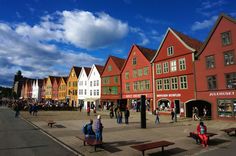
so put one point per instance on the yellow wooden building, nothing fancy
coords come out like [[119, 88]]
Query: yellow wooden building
[[62, 92], [72, 86], [48, 88]]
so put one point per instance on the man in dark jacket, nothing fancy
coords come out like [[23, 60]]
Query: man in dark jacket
[[127, 115]]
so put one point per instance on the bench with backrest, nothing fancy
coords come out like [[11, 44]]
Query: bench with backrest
[[90, 141], [229, 130], [196, 137], [51, 123], [147, 146]]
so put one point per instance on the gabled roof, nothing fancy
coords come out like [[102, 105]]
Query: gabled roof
[[52, 78], [65, 79], [87, 70], [118, 61], [99, 68], [77, 70], [213, 30], [190, 43], [148, 53]]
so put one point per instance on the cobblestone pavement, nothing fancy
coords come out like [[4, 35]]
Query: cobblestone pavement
[[119, 137]]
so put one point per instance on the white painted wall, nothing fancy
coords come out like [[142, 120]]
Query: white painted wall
[[35, 90], [83, 85]]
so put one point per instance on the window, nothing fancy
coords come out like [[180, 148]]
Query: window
[[147, 84], [69, 84], [226, 38], [158, 68], [109, 68], [211, 81], [91, 92], [140, 72], [94, 83], [114, 90], [210, 62], [91, 83], [182, 64], [170, 50], [165, 67], [173, 66], [141, 85], [85, 83], [159, 84], [134, 61], [183, 82], [106, 80], [229, 58], [145, 71], [116, 79], [127, 87], [135, 86], [174, 83], [227, 107], [94, 92], [166, 84], [85, 92], [97, 82], [127, 75], [97, 92], [135, 74], [230, 80]]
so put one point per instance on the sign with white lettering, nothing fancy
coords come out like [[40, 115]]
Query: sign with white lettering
[[130, 96], [230, 93], [169, 95]]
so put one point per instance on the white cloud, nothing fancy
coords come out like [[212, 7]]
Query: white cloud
[[204, 24]]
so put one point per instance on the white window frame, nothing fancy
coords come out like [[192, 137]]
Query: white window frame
[[182, 64], [174, 83], [158, 68], [170, 50], [173, 66], [166, 83], [183, 83], [159, 84], [166, 67]]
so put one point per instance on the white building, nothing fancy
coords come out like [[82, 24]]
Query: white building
[[83, 86], [36, 89], [94, 80]]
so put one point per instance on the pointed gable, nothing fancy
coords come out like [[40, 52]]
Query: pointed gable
[[148, 53], [218, 21], [99, 68], [87, 70], [173, 37], [116, 65]]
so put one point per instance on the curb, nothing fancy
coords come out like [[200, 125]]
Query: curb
[[77, 153]]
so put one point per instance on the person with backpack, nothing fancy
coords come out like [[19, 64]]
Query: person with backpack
[[202, 130], [88, 129]]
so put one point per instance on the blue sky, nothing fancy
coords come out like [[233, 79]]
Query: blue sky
[[48, 37]]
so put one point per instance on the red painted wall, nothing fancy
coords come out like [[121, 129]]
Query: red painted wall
[[141, 63], [54, 90], [214, 47]]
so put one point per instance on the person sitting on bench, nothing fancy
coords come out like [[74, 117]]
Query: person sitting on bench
[[202, 130], [88, 130]]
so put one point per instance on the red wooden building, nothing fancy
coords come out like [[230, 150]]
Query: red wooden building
[[111, 81], [216, 69], [55, 88], [173, 67], [136, 76]]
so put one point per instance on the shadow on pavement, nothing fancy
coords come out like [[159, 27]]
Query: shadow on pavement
[[168, 152], [217, 141], [23, 147], [112, 147]]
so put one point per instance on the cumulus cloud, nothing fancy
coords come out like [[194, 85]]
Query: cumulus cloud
[[204, 24]]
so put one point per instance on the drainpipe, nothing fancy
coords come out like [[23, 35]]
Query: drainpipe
[[153, 86]]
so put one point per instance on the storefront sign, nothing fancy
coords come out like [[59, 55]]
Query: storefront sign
[[221, 93], [168, 95], [131, 96]]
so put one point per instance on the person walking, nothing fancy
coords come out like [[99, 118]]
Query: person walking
[[88, 130], [127, 115], [157, 116], [202, 130], [119, 116], [17, 110], [88, 110], [98, 128], [172, 114]]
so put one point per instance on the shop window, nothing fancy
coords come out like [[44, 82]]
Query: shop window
[[182, 64], [211, 82], [210, 62], [230, 80], [229, 58], [159, 84], [227, 107], [158, 68], [226, 38]]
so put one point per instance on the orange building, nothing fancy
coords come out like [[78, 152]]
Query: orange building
[[48, 87], [62, 89], [72, 86]]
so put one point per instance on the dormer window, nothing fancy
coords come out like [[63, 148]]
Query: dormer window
[[170, 51]]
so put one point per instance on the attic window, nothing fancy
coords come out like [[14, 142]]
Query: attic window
[[170, 51], [109, 68], [134, 61], [226, 38]]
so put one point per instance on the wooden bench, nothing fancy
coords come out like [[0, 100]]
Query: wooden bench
[[51, 123], [198, 140], [90, 141], [229, 130], [152, 145]]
